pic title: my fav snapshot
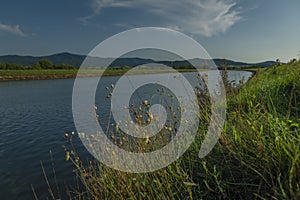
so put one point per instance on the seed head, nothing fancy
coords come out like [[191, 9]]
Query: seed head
[[149, 120], [67, 156], [82, 135], [147, 140], [66, 136], [146, 103]]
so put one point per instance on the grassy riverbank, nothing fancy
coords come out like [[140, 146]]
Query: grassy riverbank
[[40, 74], [257, 156], [11, 75]]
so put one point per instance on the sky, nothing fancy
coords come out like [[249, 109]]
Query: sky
[[241, 30]]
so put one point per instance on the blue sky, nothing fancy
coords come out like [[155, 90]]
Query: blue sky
[[243, 30]]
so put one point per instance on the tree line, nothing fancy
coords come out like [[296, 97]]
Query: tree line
[[42, 64]]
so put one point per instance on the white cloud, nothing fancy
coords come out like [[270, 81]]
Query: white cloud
[[12, 29], [204, 17]]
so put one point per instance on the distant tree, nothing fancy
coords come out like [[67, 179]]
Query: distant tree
[[13, 66], [36, 66], [46, 64], [2, 66], [43, 64]]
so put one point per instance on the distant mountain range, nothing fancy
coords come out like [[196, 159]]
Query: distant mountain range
[[76, 60], [66, 58]]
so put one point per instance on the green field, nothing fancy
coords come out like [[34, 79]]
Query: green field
[[33, 74], [37, 72]]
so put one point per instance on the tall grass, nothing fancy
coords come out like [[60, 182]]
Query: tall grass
[[257, 156]]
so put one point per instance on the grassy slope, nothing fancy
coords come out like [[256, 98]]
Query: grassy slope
[[263, 131], [278, 88], [257, 157]]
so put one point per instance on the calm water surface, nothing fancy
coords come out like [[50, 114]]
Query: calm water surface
[[34, 115]]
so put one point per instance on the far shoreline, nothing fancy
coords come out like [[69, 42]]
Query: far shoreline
[[23, 75]]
